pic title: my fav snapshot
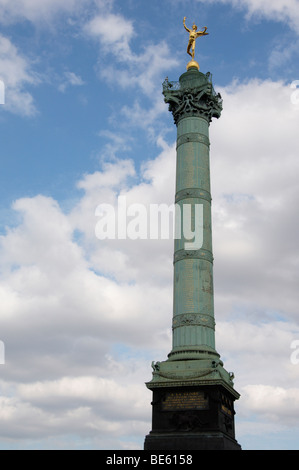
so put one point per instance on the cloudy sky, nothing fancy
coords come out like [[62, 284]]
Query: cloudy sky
[[84, 122]]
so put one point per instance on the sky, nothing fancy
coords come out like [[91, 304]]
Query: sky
[[84, 122]]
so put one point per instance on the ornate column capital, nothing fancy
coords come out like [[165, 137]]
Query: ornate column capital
[[193, 95]]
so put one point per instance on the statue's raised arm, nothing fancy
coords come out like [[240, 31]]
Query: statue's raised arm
[[184, 23]]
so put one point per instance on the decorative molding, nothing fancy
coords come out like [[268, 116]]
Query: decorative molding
[[174, 376], [193, 254], [193, 319], [193, 193], [193, 137]]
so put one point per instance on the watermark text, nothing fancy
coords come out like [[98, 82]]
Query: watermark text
[[2, 353], [295, 354], [2, 92], [295, 94], [156, 221]]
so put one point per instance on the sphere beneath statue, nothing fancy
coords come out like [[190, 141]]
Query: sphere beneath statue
[[192, 63]]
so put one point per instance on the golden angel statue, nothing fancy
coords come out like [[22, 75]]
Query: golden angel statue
[[193, 35]]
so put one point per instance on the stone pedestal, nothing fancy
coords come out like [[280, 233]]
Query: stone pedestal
[[192, 418]]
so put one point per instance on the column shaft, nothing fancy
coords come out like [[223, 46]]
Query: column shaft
[[193, 304]]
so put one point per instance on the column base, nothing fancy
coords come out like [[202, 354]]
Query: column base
[[191, 441], [193, 367]]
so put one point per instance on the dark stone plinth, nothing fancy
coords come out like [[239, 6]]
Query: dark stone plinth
[[190, 441], [192, 418]]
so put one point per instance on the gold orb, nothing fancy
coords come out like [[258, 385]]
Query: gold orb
[[192, 63]]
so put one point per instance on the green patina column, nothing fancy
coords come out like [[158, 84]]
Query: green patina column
[[193, 105], [193, 395]]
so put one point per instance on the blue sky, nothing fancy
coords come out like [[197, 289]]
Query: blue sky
[[84, 121]]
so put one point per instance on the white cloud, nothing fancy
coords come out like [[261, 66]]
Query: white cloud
[[274, 403], [21, 419], [284, 55], [278, 10], [70, 78], [255, 195], [115, 34], [252, 345], [113, 31], [143, 71], [126, 259], [36, 10], [47, 281], [103, 392], [255, 191], [17, 74]]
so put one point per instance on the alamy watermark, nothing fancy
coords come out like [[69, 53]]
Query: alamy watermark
[[295, 94], [156, 221], [295, 354], [2, 92], [2, 353]]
